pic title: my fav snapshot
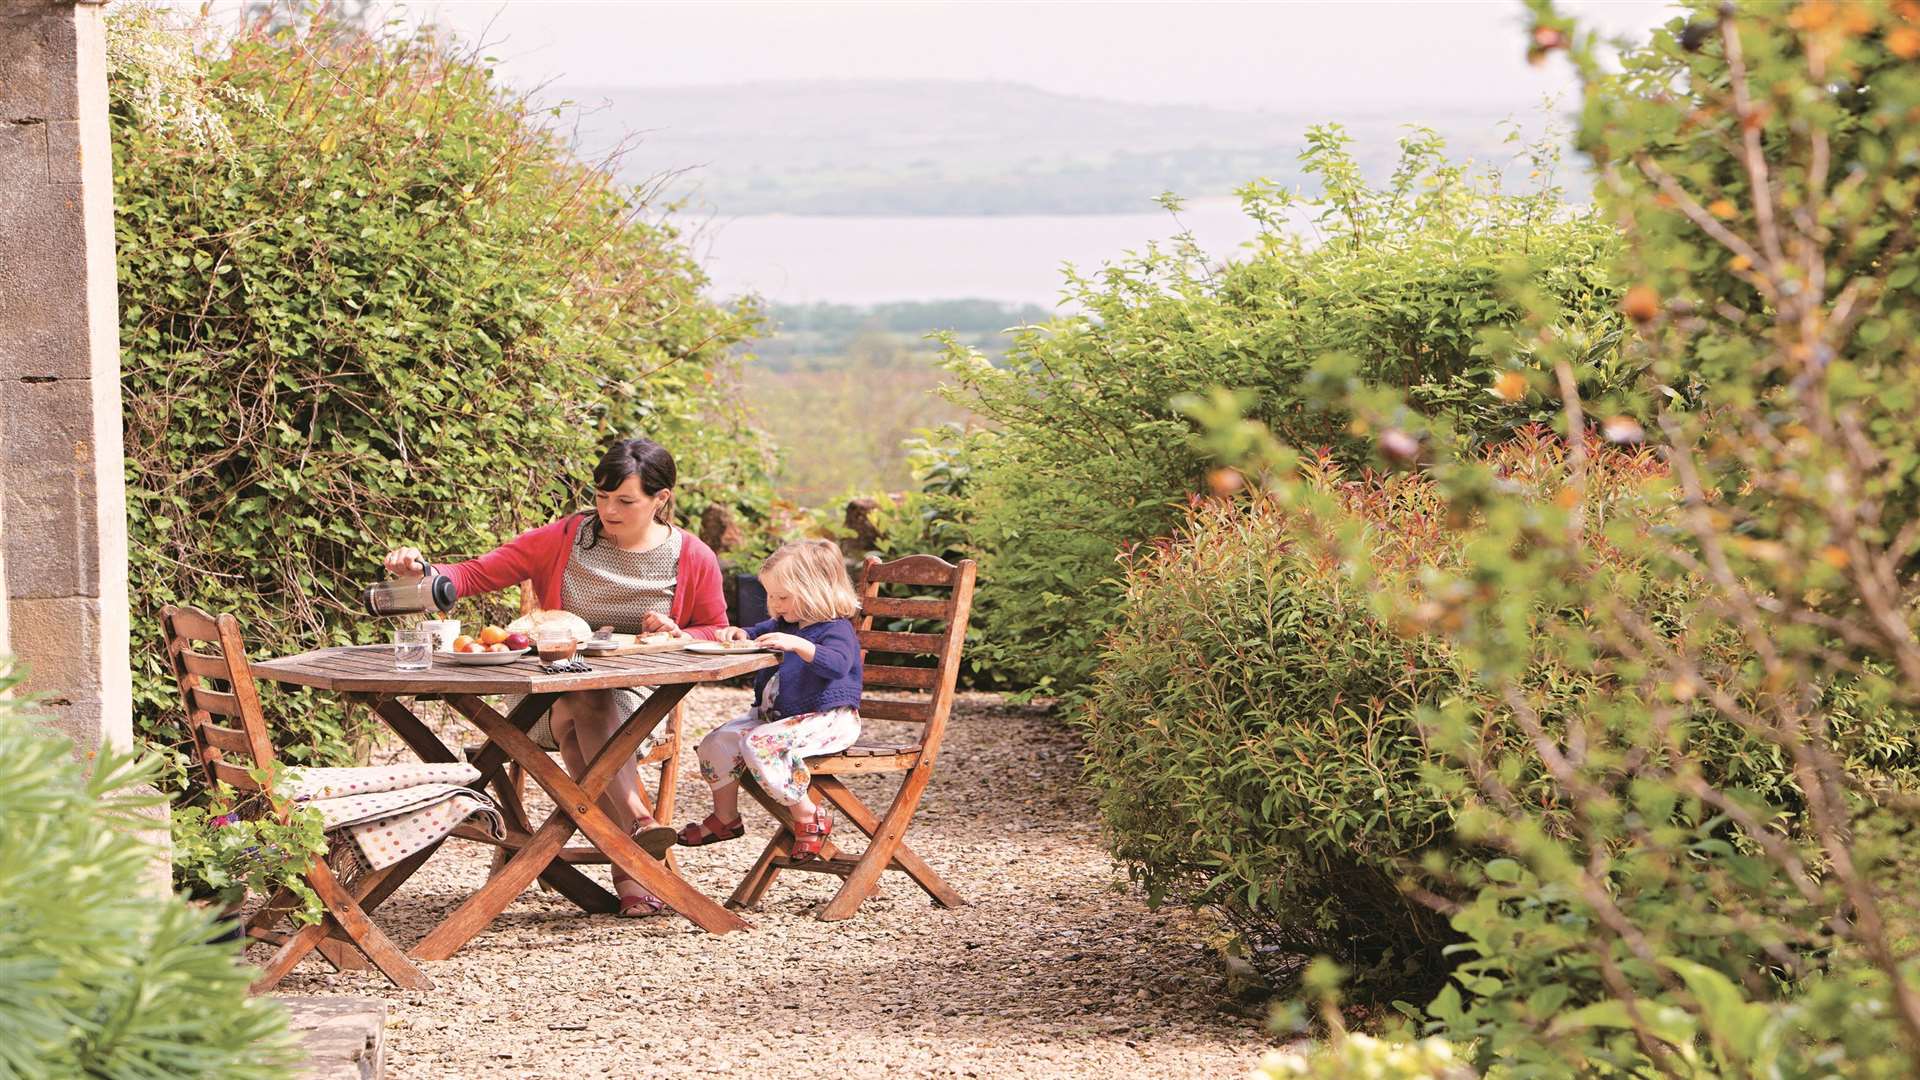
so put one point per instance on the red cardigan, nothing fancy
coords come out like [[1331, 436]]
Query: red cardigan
[[541, 554]]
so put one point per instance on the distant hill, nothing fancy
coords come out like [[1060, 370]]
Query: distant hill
[[931, 147]]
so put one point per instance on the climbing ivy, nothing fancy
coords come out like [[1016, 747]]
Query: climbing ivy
[[391, 308]]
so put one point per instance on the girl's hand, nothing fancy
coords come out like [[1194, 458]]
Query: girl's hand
[[729, 633], [786, 643], [404, 563], [778, 642], [654, 623]]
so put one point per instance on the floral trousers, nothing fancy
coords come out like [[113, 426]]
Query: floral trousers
[[774, 752]]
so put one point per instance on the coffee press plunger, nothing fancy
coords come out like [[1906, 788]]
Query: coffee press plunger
[[432, 590]]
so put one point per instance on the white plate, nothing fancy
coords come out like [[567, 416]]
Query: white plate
[[481, 659], [654, 642], [732, 648]]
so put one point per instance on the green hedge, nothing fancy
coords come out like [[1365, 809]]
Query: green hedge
[[98, 976], [1254, 735], [1088, 454], [382, 306]]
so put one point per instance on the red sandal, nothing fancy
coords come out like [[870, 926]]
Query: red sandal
[[810, 836], [711, 830], [641, 906]]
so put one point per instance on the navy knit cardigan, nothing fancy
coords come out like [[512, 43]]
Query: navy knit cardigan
[[831, 681]]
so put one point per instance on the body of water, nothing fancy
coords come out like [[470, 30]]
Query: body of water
[[871, 260]]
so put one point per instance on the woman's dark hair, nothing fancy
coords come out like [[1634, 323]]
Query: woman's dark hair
[[634, 457]]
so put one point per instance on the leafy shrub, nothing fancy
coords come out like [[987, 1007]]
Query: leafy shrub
[[1363, 1057], [1260, 731], [98, 977], [386, 306], [1654, 915], [1090, 456]]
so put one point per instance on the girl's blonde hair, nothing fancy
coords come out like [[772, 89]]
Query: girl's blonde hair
[[816, 574]]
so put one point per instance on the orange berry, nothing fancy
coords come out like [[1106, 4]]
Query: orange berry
[[1623, 429], [1813, 15], [1226, 481], [1904, 42], [1739, 264], [1510, 386], [1722, 208], [1641, 303]]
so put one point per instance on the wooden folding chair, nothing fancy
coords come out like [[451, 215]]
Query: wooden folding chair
[[665, 753], [929, 704], [225, 753]]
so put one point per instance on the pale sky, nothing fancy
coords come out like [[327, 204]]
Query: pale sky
[[1293, 56]]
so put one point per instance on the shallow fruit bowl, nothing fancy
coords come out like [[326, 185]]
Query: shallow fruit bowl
[[482, 659]]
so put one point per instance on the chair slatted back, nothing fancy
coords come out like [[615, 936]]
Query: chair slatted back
[[224, 721], [930, 686]]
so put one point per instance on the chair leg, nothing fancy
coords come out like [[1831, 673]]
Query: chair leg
[[366, 936], [277, 905], [884, 847], [670, 779], [754, 886], [341, 954], [345, 922], [904, 857], [292, 952]]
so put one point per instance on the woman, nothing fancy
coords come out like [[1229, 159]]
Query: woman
[[622, 564]]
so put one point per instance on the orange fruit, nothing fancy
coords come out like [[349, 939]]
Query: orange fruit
[[492, 635], [460, 643], [1641, 303]]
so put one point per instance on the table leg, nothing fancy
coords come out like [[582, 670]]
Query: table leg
[[578, 802], [508, 739], [414, 732], [565, 878], [491, 762]]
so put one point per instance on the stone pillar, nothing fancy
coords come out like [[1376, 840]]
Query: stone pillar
[[65, 516]]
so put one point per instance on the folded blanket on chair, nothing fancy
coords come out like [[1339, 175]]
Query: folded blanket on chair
[[392, 811]]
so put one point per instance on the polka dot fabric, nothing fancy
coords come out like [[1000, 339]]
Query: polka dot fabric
[[392, 811]]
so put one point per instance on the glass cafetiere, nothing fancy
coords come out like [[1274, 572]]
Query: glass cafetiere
[[431, 591]]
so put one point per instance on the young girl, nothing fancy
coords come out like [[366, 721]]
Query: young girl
[[808, 706]]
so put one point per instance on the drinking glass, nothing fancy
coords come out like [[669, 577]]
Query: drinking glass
[[555, 645], [412, 650]]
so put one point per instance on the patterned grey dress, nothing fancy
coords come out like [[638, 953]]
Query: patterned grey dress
[[610, 587]]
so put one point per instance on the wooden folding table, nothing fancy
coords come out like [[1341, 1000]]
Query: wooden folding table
[[365, 674]]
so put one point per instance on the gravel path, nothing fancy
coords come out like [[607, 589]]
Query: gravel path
[[1054, 969]]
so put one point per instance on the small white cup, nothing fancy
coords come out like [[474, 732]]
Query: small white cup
[[443, 631]]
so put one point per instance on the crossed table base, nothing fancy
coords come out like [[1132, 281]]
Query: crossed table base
[[364, 674]]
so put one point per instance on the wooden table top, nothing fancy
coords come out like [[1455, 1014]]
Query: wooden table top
[[368, 669]]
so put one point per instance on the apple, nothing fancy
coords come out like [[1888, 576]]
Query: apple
[[498, 646], [517, 642]]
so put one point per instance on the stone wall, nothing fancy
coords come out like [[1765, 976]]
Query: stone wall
[[64, 516]]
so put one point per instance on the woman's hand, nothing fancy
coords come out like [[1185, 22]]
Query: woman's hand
[[787, 643], [404, 563], [730, 633], [655, 623]]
